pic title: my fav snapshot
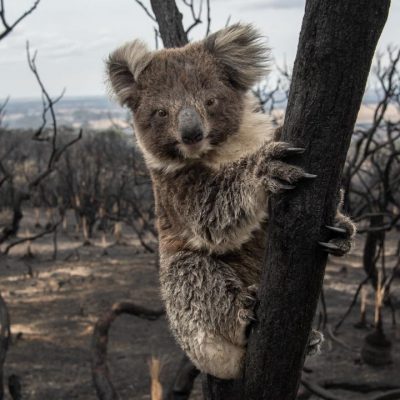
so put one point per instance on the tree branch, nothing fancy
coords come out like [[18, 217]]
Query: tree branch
[[146, 10], [9, 27], [100, 373], [31, 238], [170, 23]]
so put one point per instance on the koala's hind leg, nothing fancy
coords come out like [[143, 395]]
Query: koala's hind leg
[[342, 233], [314, 342], [209, 310]]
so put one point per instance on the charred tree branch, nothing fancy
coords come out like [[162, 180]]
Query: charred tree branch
[[9, 27], [100, 373]]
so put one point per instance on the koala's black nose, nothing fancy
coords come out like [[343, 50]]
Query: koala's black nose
[[190, 126]]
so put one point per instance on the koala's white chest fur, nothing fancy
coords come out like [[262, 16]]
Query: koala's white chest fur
[[255, 130]]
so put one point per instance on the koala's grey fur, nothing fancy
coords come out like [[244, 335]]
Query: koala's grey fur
[[211, 198]]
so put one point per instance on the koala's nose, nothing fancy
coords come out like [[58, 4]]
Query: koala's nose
[[190, 126]]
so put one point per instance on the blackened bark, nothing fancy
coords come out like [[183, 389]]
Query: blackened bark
[[169, 21], [337, 43]]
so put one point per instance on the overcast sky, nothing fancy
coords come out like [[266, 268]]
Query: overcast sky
[[74, 37]]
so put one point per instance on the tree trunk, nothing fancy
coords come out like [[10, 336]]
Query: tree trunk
[[337, 43], [336, 47], [169, 21]]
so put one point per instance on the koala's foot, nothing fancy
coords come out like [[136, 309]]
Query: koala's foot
[[247, 300], [314, 343], [342, 234], [246, 303], [278, 175]]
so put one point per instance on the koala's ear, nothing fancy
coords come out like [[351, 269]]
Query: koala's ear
[[124, 66], [242, 52]]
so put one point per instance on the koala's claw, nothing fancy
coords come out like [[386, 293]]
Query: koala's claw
[[275, 172], [336, 229], [332, 249], [246, 316], [314, 342], [306, 175], [296, 150], [329, 247], [284, 186], [343, 232]]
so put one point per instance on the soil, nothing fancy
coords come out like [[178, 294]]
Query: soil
[[54, 305]]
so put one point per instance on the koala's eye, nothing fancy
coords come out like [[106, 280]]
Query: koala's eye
[[210, 102], [161, 113]]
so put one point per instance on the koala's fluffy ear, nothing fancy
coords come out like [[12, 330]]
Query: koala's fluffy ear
[[242, 52], [124, 66]]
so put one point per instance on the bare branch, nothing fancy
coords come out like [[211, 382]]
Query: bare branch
[[48, 105], [318, 390], [182, 385], [146, 10], [48, 100], [31, 238], [100, 372], [3, 108], [9, 27], [195, 16], [209, 18]]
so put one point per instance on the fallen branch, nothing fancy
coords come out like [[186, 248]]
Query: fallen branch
[[392, 395], [182, 385], [100, 373], [335, 339], [359, 386], [318, 390], [31, 238]]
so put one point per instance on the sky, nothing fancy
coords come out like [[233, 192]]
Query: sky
[[74, 37]]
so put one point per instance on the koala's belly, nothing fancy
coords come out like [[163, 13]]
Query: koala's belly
[[246, 261]]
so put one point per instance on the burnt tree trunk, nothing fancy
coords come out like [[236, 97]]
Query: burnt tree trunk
[[169, 21], [336, 46]]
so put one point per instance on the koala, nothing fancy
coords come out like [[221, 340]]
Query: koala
[[214, 164]]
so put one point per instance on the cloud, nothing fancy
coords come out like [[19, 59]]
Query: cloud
[[51, 45], [277, 4]]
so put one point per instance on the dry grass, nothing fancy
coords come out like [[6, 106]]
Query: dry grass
[[155, 370]]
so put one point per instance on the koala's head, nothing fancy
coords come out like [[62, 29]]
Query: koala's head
[[188, 101]]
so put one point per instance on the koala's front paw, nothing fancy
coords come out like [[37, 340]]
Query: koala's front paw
[[314, 342], [276, 174], [342, 234]]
